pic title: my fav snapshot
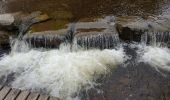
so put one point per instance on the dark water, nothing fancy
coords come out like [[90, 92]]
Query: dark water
[[132, 81], [3, 51], [88, 8]]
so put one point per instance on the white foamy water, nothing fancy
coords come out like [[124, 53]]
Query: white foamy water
[[158, 57], [58, 72]]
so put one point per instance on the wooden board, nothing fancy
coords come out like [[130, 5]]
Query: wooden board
[[12, 94], [1, 87], [43, 97], [23, 95], [7, 93], [33, 96], [53, 98], [4, 92]]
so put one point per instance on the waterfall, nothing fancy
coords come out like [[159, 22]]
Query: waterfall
[[101, 41], [65, 65], [156, 38], [64, 72]]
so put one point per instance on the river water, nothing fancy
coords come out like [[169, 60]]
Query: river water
[[88, 8], [72, 71], [119, 71]]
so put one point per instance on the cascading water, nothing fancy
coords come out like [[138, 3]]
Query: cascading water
[[154, 50], [158, 57], [156, 38], [63, 72], [100, 41], [78, 63]]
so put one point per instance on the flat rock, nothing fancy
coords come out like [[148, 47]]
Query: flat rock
[[11, 21], [150, 23], [47, 39], [6, 19], [130, 28]]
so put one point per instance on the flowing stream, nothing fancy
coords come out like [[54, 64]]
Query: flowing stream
[[59, 72], [85, 63], [65, 72]]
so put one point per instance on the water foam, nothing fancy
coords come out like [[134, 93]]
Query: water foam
[[59, 72], [157, 57]]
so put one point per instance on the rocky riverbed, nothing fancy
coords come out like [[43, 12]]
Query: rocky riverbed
[[96, 24]]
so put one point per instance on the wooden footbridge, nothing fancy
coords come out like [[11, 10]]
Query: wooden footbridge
[[7, 93]]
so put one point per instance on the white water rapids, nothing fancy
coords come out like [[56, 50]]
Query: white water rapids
[[60, 72], [157, 57], [65, 73]]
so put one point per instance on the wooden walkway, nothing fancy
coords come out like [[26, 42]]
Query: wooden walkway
[[7, 93]]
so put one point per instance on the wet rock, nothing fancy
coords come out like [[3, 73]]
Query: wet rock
[[90, 25], [101, 40], [6, 19], [98, 34], [29, 20], [130, 28], [46, 39], [12, 21], [4, 40], [59, 20], [62, 15]]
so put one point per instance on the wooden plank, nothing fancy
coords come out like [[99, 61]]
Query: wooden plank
[[1, 87], [33, 96], [16, 94], [4, 92], [23, 95], [43, 97], [53, 98], [12, 94]]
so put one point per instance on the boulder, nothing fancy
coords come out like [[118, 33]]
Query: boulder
[[6, 19], [131, 28], [17, 20]]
